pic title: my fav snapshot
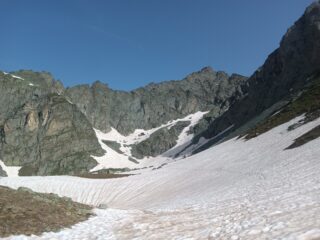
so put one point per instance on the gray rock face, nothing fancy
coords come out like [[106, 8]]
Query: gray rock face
[[159, 141], [2, 172], [44, 80], [155, 104], [45, 133], [42, 132], [113, 145], [286, 71]]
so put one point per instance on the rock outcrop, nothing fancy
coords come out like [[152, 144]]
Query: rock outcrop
[[159, 141], [2, 172], [43, 132]]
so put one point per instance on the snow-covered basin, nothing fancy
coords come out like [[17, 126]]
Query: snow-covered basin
[[114, 159], [236, 190]]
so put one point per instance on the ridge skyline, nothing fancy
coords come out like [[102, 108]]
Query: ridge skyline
[[171, 50]]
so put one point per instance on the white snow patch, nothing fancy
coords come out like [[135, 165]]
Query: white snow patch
[[140, 135], [11, 171], [313, 234], [276, 113], [113, 159], [184, 136], [235, 190], [69, 101], [17, 77]]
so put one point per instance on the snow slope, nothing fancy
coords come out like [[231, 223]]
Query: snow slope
[[11, 171], [113, 159], [236, 190]]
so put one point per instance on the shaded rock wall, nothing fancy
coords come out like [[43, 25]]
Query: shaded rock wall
[[159, 141], [155, 104], [285, 72], [42, 132], [2, 172]]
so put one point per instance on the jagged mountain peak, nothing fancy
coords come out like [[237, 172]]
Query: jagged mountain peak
[[207, 69], [285, 73], [314, 8]]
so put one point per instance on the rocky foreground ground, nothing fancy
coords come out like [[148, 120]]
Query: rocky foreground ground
[[25, 212]]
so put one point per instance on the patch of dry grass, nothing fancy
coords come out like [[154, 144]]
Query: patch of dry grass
[[25, 212]]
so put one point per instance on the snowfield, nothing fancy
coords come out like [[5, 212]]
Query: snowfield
[[114, 159], [236, 190]]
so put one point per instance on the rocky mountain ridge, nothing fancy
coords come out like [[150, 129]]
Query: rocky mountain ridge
[[284, 75], [41, 131], [156, 104], [48, 129]]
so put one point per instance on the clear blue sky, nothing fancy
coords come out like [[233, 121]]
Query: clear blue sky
[[129, 43]]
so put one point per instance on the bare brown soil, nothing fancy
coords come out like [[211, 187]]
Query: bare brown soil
[[23, 212]]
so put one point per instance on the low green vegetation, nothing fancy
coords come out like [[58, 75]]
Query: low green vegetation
[[307, 103]]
